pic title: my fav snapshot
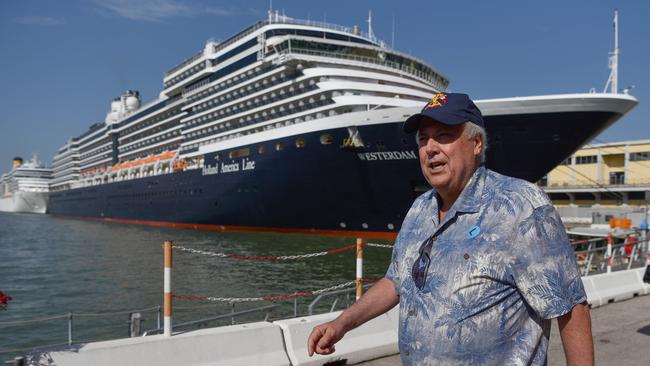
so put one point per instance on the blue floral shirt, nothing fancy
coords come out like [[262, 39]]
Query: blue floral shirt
[[501, 267]]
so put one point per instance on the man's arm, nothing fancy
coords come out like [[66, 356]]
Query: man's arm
[[379, 299], [575, 330]]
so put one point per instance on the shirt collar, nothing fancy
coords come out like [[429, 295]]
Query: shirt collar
[[469, 200]]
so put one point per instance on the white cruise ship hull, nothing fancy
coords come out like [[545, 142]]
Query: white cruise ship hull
[[32, 202]]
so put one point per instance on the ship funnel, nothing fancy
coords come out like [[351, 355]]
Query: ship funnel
[[17, 161]]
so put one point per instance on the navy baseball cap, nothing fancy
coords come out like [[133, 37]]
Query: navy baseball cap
[[446, 108]]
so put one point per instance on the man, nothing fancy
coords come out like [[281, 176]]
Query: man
[[481, 264]]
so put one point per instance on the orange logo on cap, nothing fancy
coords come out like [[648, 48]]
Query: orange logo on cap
[[438, 101]]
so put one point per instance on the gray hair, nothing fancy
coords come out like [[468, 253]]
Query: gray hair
[[471, 130]]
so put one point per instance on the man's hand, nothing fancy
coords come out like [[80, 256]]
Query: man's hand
[[379, 299], [323, 337]]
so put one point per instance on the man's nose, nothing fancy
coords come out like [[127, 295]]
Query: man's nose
[[432, 147]]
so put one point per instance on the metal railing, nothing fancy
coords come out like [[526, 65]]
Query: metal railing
[[599, 257], [204, 321], [337, 294]]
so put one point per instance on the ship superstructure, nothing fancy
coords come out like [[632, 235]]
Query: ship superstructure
[[295, 124], [25, 187]]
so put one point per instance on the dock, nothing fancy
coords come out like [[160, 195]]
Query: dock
[[621, 333]]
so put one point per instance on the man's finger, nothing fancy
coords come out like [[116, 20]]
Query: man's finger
[[326, 341], [315, 335]]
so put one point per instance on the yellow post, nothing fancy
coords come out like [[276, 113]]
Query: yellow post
[[167, 297], [359, 281]]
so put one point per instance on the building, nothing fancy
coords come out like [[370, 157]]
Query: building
[[607, 174]]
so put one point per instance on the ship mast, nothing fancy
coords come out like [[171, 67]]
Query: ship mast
[[613, 61], [371, 35]]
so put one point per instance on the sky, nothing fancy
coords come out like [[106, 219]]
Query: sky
[[62, 62]]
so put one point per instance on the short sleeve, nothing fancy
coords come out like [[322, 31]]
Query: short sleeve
[[393, 273], [545, 269]]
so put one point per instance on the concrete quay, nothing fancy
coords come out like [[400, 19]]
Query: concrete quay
[[621, 333]]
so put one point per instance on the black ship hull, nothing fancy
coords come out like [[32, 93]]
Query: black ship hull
[[312, 187]]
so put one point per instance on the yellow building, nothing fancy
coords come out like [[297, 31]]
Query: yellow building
[[608, 174]]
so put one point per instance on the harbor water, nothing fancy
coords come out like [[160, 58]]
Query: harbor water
[[101, 271]]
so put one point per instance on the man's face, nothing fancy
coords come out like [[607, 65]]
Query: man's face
[[448, 158]]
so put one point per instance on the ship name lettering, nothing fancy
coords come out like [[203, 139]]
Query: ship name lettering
[[210, 170], [247, 164], [229, 168], [388, 155]]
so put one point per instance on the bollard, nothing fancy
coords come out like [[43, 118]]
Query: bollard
[[167, 297], [608, 254], [19, 361], [359, 281]]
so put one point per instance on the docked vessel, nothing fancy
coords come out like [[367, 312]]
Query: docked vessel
[[295, 126], [25, 187]]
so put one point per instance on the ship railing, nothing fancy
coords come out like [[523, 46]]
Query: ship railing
[[185, 63], [274, 20], [426, 77], [217, 47]]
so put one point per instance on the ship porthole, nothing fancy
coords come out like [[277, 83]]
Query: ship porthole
[[364, 225], [391, 226], [343, 225], [326, 139], [300, 142]]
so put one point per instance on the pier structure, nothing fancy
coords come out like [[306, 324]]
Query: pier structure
[[602, 175], [283, 341]]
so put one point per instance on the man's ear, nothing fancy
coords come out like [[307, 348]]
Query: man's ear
[[478, 145]]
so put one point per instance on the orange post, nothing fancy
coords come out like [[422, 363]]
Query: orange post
[[167, 297], [359, 281]]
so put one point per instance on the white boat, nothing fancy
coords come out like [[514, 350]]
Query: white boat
[[25, 188]]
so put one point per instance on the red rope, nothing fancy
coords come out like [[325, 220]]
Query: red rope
[[332, 251]]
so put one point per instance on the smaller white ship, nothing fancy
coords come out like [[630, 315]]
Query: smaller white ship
[[25, 188]]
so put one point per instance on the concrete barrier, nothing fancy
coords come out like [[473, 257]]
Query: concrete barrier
[[644, 286], [617, 286], [247, 344], [593, 298], [377, 338]]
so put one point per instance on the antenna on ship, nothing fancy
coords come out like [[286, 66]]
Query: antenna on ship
[[392, 34], [613, 60], [371, 36], [270, 11]]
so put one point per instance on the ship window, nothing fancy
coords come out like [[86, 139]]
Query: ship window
[[261, 149], [279, 146], [240, 153], [300, 142], [326, 139]]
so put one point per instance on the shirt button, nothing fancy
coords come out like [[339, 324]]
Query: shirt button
[[466, 256]]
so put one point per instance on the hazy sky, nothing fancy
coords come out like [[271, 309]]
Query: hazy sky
[[62, 62]]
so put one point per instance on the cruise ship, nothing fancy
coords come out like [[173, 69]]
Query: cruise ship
[[295, 126], [25, 187]]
